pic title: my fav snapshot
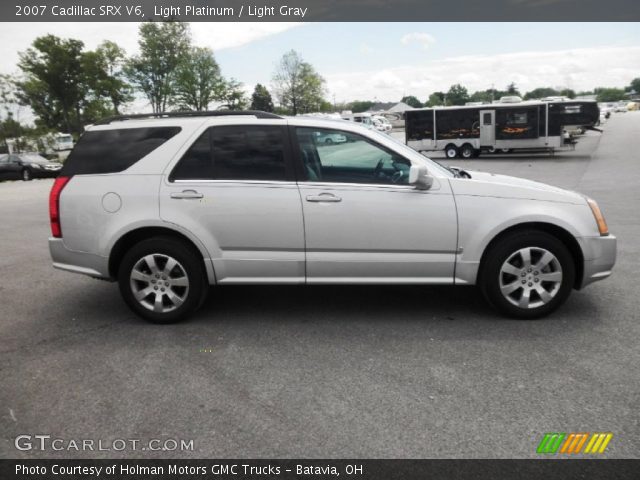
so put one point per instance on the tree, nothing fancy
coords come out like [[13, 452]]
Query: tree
[[634, 86], [609, 94], [233, 95], [54, 84], [541, 92], [359, 106], [457, 95], [567, 92], [198, 81], [261, 99], [412, 101], [103, 71], [513, 90], [484, 96], [297, 86], [436, 99], [163, 46]]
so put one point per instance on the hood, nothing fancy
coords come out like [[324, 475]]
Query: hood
[[485, 184]]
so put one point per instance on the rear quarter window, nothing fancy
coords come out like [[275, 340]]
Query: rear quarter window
[[112, 151]]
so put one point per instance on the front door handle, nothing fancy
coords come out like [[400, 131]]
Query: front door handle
[[323, 197], [186, 194]]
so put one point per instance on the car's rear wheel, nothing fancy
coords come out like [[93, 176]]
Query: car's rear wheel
[[451, 151], [527, 274], [162, 280], [26, 175], [328, 141]]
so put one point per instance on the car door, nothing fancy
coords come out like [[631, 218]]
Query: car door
[[4, 167], [14, 168], [363, 222], [235, 190]]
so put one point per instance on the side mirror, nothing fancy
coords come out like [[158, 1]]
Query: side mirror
[[419, 176]]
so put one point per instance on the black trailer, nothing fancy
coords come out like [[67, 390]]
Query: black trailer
[[469, 130]]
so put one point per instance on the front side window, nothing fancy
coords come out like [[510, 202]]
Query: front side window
[[343, 157], [238, 152]]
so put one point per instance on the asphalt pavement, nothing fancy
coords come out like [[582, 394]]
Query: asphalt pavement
[[323, 371]]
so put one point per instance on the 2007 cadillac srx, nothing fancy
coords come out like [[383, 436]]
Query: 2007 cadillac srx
[[170, 204]]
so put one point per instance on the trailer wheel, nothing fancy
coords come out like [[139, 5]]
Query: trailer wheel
[[467, 151], [451, 151], [505, 150]]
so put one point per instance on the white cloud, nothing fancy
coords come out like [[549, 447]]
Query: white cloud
[[580, 69], [423, 39]]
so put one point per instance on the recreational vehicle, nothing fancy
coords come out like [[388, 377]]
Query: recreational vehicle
[[469, 130]]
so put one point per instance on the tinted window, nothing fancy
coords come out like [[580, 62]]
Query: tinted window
[[110, 151], [243, 152], [487, 119], [337, 156]]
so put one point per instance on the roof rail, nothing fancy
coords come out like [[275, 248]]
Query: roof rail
[[215, 113]]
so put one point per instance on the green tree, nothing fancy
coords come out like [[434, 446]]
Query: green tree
[[359, 106], [457, 95], [436, 99], [198, 80], [103, 71], [541, 92], [634, 85], [483, 96], [54, 85], [296, 84], [609, 94], [412, 101], [163, 46], [567, 92], [234, 96], [261, 99], [513, 90]]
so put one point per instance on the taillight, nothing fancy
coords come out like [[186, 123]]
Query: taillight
[[54, 205]]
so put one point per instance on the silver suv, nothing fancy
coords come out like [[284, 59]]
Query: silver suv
[[170, 204]]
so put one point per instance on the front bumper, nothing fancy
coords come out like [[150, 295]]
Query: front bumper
[[599, 258], [77, 262]]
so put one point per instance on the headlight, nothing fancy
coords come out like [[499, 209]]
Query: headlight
[[597, 214], [35, 165]]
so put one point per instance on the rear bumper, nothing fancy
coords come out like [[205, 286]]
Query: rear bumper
[[77, 262], [599, 258]]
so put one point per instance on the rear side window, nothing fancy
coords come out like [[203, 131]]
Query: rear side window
[[239, 152], [111, 151]]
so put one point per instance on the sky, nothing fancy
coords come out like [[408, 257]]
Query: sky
[[385, 61]]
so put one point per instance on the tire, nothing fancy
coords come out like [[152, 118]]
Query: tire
[[328, 141], [451, 151], [467, 151], [505, 150], [181, 289], [26, 175], [504, 269]]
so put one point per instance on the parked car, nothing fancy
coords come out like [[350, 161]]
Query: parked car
[[168, 206], [330, 138], [27, 166]]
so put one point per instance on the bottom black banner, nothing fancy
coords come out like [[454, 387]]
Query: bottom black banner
[[318, 469]]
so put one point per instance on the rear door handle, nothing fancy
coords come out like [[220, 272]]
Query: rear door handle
[[323, 197], [186, 194]]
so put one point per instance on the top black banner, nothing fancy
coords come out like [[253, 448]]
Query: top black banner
[[320, 10]]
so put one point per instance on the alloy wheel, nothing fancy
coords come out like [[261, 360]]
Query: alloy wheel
[[531, 277], [159, 283]]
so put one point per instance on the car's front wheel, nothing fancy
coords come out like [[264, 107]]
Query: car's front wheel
[[162, 280], [26, 175], [527, 274]]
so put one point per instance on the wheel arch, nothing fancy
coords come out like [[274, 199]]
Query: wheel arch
[[126, 241], [557, 231]]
